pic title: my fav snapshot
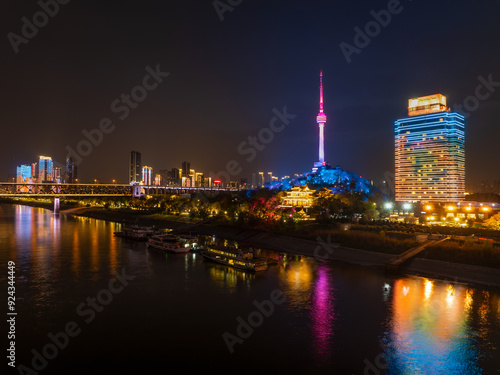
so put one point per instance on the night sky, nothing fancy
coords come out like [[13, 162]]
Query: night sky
[[226, 77]]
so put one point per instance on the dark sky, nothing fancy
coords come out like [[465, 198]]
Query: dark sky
[[226, 77]]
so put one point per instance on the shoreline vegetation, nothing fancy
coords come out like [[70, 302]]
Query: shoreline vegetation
[[463, 257]]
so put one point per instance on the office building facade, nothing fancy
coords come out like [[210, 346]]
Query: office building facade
[[430, 152], [135, 167]]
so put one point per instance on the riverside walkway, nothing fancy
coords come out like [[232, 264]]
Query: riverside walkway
[[394, 263]]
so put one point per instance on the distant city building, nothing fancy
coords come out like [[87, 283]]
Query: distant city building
[[135, 167], [199, 179], [186, 168], [174, 177], [430, 152], [23, 173], [157, 179], [56, 174], [45, 167], [147, 175], [34, 172], [71, 170]]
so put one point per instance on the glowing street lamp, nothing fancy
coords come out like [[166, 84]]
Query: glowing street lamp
[[407, 206], [388, 206]]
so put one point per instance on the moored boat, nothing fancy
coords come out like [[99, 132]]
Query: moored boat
[[237, 258], [167, 242], [190, 241], [135, 232]]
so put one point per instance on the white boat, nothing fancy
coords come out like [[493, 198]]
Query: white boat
[[167, 242]]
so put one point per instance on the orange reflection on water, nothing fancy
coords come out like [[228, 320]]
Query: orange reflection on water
[[297, 275], [228, 277], [429, 324], [113, 254]]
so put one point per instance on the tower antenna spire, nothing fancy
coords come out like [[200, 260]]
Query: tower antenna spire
[[321, 120], [321, 91]]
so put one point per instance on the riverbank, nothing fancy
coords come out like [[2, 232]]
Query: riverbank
[[322, 248]]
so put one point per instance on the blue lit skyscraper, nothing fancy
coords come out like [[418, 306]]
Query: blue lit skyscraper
[[23, 173], [430, 152], [45, 166]]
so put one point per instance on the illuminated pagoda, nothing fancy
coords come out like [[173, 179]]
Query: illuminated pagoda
[[299, 196], [430, 152]]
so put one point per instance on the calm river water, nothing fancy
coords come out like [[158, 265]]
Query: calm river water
[[176, 312]]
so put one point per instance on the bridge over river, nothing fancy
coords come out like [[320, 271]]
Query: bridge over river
[[52, 189]]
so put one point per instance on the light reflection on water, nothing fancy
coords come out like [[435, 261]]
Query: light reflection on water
[[417, 325]]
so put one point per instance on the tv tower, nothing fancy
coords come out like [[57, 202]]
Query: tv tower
[[321, 120]]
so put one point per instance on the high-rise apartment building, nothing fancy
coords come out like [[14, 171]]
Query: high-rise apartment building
[[147, 173], [23, 173], [186, 168], [430, 152], [45, 166], [71, 171], [135, 167]]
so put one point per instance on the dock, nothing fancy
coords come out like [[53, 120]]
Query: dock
[[394, 263]]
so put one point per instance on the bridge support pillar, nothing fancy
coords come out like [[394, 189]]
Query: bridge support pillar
[[56, 205]]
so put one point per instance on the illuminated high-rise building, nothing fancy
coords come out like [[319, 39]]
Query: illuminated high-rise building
[[45, 166], [23, 173], [321, 120], [430, 152], [34, 172], [158, 179], [71, 171], [56, 174], [186, 168], [135, 167], [147, 175]]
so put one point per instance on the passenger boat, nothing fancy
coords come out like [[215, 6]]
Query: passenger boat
[[135, 232], [237, 258], [190, 241], [167, 242]]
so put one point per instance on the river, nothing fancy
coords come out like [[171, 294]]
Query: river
[[89, 302]]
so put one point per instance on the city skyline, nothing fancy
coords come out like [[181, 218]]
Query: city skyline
[[227, 104]]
